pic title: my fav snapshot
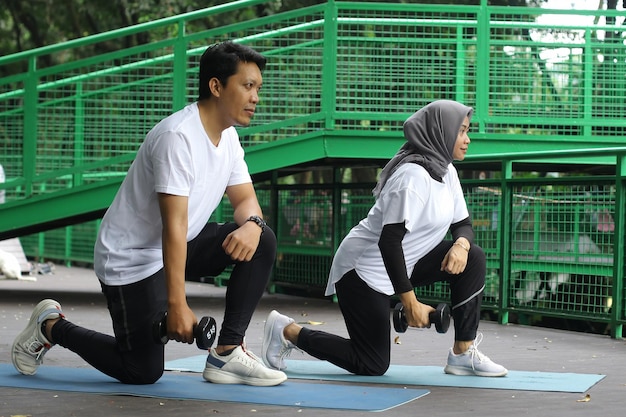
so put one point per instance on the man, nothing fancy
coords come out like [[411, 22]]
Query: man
[[155, 235]]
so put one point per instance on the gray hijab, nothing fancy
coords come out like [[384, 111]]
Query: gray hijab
[[430, 135]]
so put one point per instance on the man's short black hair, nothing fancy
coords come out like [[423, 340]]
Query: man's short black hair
[[220, 61]]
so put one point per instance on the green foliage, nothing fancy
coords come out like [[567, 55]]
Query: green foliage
[[26, 25], [34, 24]]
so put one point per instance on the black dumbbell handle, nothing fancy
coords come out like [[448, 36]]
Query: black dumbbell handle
[[204, 332], [441, 318]]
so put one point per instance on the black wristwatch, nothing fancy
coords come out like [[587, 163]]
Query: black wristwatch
[[259, 221]]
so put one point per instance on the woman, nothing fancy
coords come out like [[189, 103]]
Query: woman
[[398, 246]]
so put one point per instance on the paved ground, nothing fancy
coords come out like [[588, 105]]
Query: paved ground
[[516, 347]]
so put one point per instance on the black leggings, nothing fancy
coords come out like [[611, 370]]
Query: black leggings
[[132, 357], [366, 313]]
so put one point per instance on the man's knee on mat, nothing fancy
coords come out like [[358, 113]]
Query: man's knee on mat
[[146, 376]]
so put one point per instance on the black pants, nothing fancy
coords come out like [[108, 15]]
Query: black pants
[[367, 351], [132, 356]]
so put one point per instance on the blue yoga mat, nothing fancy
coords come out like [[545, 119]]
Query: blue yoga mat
[[422, 376], [193, 387]]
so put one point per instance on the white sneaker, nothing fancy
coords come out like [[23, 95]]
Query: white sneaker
[[31, 345], [240, 367], [473, 362], [275, 346]]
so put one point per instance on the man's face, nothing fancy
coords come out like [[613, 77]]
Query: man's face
[[239, 97]]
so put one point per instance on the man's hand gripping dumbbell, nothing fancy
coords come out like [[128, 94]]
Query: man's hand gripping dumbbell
[[204, 332], [440, 318]]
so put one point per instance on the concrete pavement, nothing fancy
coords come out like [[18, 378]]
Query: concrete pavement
[[517, 347]]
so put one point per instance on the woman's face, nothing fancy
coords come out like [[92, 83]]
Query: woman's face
[[462, 141]]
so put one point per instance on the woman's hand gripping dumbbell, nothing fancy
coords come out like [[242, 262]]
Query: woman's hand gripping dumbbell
[[440, 318]]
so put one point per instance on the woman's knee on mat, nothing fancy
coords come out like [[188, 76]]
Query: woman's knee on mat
[[372, 365], [372, 369]]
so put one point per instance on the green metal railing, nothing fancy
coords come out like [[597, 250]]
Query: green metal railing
[[340, 80], [339, 67]]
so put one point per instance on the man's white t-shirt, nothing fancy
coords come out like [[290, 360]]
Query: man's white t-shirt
[[176, 158], [426, 206]]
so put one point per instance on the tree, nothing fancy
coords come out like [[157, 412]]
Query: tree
[[38, 23], [33, 24]]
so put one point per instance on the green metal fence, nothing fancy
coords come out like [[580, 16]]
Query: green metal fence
[[554, 245], [341, 78]]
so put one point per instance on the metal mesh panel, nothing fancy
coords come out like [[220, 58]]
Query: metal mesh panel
[[30, 244], [305, 231], [437, 292], [11, 133], [303, 270], [81, 241], [71, 244], [290, 100], [355, 204], [562, 248], [561, 237], [305, 218], [483, 202], [554, 74], [386, 65], [534, 71], [87, 120]]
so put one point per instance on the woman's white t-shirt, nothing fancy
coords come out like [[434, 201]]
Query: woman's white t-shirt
[[176, 158], [426, 207]]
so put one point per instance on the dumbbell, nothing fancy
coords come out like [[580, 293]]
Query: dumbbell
[[204, 332], [440, 317]]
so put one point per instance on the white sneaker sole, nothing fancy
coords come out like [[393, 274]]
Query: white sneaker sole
[[461, 370], [218, 376], [267, 337]]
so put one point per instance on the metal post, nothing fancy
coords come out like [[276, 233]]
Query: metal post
[[506, 216], [329, 70], [617, 308], [31, 99]]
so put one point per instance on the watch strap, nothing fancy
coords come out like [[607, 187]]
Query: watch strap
[[259, 221]]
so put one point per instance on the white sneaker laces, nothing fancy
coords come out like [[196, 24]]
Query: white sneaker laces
[[253, 356], [36, 348], [285, 350], [475, 353], [251, 359]]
